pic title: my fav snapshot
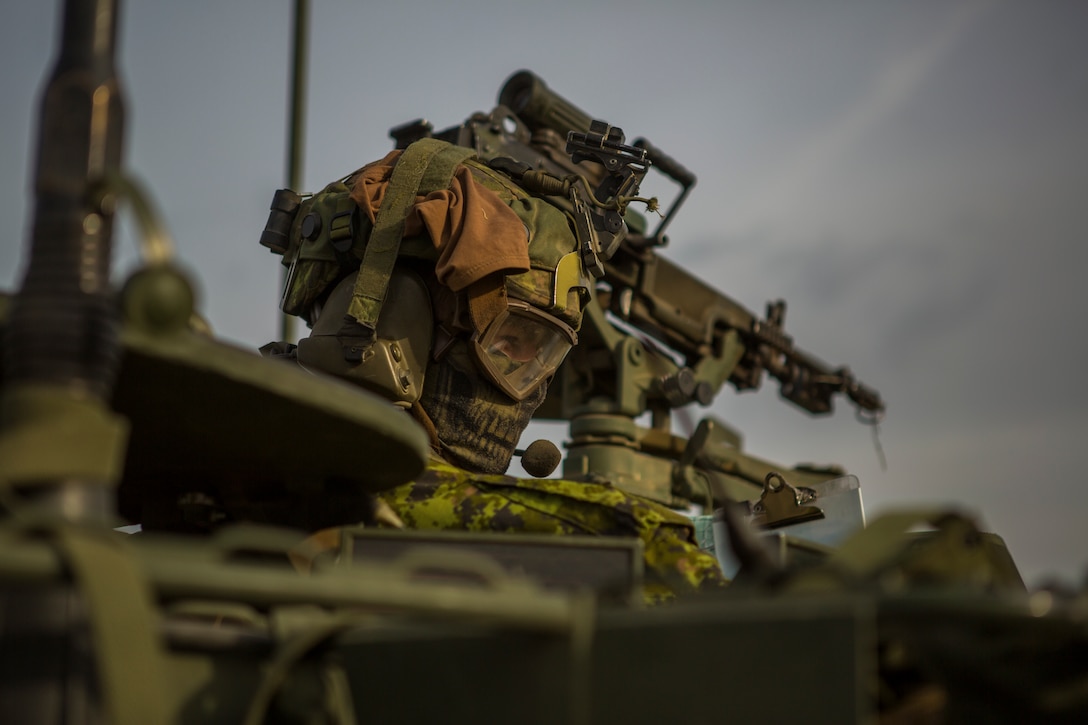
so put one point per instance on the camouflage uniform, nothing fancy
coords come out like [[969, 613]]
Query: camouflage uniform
[[446, 497]]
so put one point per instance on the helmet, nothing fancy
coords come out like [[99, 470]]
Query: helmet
[[392, 363], [519, 327]]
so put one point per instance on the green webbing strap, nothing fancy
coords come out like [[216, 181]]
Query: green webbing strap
[[127, 650], [425, 166]]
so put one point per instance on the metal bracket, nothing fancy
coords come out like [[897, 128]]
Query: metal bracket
[[781, 504]]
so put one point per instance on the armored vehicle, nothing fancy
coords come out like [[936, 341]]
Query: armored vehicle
[[117, 407]]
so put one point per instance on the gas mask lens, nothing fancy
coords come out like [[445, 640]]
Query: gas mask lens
[[522, 348]]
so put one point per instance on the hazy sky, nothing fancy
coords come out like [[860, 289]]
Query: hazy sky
[[910, 176]]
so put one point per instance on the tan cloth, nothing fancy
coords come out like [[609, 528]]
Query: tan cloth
[[474, 231]]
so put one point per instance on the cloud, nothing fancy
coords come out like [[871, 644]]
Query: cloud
[[889, 90]]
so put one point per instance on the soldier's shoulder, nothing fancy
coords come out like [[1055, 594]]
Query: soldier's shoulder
[[588, 492]]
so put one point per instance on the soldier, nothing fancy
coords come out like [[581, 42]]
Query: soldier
[[481, 299]]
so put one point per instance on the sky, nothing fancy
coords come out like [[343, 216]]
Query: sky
[[911, 177]]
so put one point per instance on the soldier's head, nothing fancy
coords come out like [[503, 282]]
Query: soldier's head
[[481, 390], [472, 364]]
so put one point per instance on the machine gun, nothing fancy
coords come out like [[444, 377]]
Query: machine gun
[[699, 322], [655, 338]]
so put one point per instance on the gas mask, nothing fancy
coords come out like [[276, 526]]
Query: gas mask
[[522, 348]]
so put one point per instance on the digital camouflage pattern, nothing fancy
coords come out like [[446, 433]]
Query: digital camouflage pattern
[[446, 497]]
